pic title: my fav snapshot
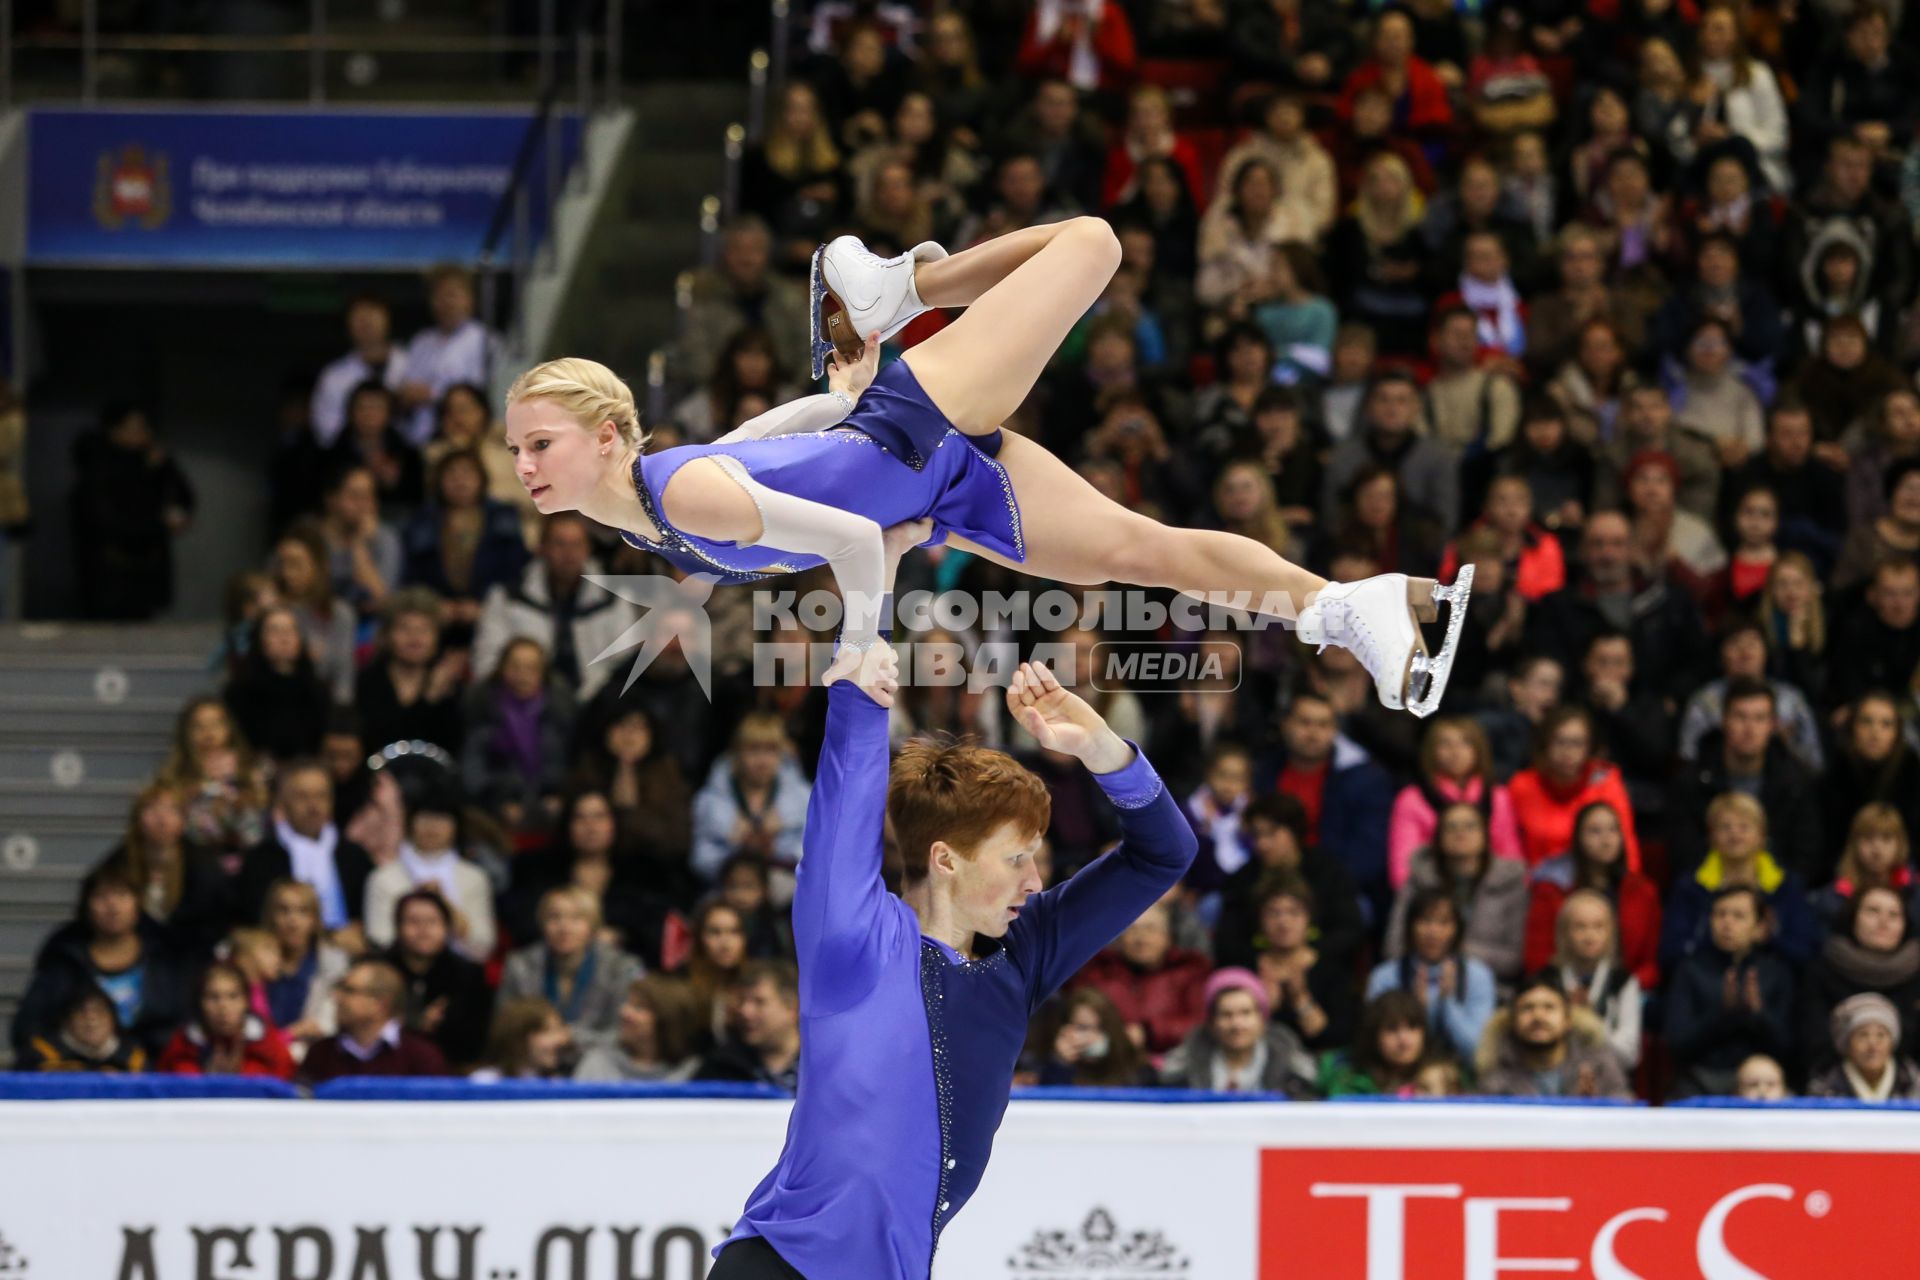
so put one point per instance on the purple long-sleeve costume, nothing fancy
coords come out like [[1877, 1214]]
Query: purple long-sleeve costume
[[907, 1048]]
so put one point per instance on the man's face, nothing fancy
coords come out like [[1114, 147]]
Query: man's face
[[1237, 1024], [1743, 655], [1309, 730], [990, 887], [1054, 108], [367, 324], [359, 1004], [1790, 437], [1610, 661], [1748, 724], [1648, 414], [1393, 407], [565, 549], [1485, 259], [306, 801], [1457, 342], [1148, 939], [764, 1017], [1895, 596], [1540, 1019], [1273, 844], [745, 256], [1719, 265], [113, 911], [1734, 924], [423, 931], [1850, 170], [1021, 185], [1608, 550], [452, 303]]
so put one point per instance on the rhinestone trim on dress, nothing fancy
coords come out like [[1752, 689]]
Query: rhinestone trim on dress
[[933, 994], [674, 540]]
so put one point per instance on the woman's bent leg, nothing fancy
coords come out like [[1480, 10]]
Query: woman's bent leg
[[980, 368]]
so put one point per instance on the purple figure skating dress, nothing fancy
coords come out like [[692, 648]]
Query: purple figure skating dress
[[895, 458]]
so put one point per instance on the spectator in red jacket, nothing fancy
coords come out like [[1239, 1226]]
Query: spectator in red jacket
[[1566, 777], [1420, 103], [1149, 134], [1536, 565], [1156, 986], [371, 1040], [1087, 43], [225, 1037], [1596, 859]]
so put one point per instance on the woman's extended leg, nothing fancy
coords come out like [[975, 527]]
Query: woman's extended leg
[[1074, 533], [1024, 292]]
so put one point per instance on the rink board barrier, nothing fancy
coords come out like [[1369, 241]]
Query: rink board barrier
[[528, 1187]]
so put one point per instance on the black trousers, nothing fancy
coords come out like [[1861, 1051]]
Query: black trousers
[[752, 1259]]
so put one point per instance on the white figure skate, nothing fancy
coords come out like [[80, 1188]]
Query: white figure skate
[[855, 292], [1377, 619]]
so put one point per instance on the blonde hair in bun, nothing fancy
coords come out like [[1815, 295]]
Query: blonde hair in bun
[[589, 392]]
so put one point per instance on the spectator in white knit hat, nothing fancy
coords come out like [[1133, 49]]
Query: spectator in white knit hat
[[1866, 1034]]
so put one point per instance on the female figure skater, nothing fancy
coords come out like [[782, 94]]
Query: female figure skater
[[818, 479]]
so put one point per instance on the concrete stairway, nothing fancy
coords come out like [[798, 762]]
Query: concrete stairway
[[86, 717], [621, 306]]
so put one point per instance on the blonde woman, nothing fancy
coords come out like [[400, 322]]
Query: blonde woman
[[1587, 954], [181, 889], [224, 789], [1795, 616], [822, 480], [572, 968], [1243, 498], [753, 801], [1376, 254]]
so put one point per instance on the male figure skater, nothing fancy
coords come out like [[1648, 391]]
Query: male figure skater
[[914, 1010]]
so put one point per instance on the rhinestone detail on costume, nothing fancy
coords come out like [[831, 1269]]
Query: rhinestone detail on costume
[[673, 540], [933, 995]]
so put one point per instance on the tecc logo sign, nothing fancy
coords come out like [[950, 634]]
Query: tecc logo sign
[[1603, 1215]]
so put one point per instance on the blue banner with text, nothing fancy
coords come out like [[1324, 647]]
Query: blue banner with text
[[330, 189]]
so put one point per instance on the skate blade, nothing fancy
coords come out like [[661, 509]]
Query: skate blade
[[830, 328], [816, 322], [1428, 673]]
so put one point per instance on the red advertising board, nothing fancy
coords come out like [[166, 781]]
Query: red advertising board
[[1481, 1214]]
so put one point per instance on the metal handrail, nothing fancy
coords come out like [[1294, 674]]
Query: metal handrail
[[757, 95], [736, 153]]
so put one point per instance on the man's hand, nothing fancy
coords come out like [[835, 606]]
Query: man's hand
[[1060, 720]]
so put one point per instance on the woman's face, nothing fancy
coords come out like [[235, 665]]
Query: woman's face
[[1659, 65], [223, 1006], [547, 1044], [1882, 921], [1876, 731], [1247, 361], [723, 939], [1845, 348], [412, 639], [462, 485], [1904, 504], [162, 822], [913, 120], [1239, 493], [1147, 114], [112, 911], [1726, 181], [1569, 749], [1757, 519], [800, 112], [1393, 40], [523, 671], [423, 930], [1286, 921], [1601, 838], [630, 738], [866, 53], [1792, 588], [756, 763], [1600, 354], [1454, 754], [293, 921], [463, 418], [1462, 834], [893, 193], [1374, 503], [370, 413], [209, 730], [1589, 928], [559, 461], [590, 829], [1403, 1045], [1237, 1024], [745, 890], [1735, 834], [1878, 853], [1718, 34], [293, 565], [638, 1022], [1256, 191], [566, 928], [1627, 183], [433, 832], [1160, 188], [1870, 1049], [1651, 491], [1608, 115], [280, 639], [1386, 188], [1709, 352], [1434, 934], [1900, 419], [753, 366]]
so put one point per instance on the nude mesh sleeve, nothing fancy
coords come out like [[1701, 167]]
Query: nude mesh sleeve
[[852, 545], [809, 413]]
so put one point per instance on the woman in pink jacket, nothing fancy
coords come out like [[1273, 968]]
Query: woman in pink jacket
[[1456, 767]]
